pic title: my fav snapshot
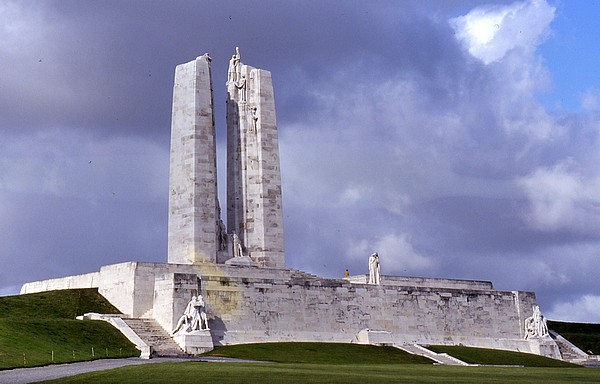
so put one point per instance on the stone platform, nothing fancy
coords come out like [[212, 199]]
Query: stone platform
[[258, 304], [195, 342]]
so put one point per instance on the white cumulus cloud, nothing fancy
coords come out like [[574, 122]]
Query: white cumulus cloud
[[560, 198], [590, 100], [490, 31], [584, 309]]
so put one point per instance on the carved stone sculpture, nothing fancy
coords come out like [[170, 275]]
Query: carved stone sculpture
[[241, 85], [254, 113], [374, 268], [221, 235], [237, 246], [535, 325], [200, 320], [234, 67], [194, 318]]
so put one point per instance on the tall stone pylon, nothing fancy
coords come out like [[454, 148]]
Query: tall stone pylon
[[194, 222], [254, 203]]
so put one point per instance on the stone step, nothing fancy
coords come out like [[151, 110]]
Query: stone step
[[295, 273], [568, 351], [439, 358], [155, 336]]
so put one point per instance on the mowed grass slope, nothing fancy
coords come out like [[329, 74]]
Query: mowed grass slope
[[497, 357], [327, 363], [584, 335], [40, 328], [225, 373], [319, 353]]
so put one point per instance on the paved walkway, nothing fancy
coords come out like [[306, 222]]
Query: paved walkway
[[55, 371]]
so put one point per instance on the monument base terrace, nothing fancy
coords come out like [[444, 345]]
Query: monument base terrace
[[257, 304], [229, 284]]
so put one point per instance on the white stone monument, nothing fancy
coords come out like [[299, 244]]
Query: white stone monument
[[194, 225], [254, 201], [239, 271]]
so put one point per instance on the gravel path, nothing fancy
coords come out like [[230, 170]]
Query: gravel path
[[55, 371]]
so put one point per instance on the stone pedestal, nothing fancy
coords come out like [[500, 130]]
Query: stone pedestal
[[369, 336], [243, 261], [545, 346], [195, 342]]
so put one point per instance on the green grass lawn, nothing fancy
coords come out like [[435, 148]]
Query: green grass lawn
[[39, 329], [320, 353], [496, 357], [40, 325], [196, 372], [341, 363], [65, 304], [585, 336]]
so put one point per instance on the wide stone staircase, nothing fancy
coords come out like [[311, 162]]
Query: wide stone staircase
[[439, 358], [155, 336], [572, 353], [298, 274]]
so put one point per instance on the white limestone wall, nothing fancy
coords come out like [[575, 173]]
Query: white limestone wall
[[130, 286], [425, 282], [251, 304], [193, 205], [117, 285], [172, 293], [88, 280], [250, 310], [265, 241]]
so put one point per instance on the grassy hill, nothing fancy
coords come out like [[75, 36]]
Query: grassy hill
[[337, 353], [496, 357], [40, 328], [344, 364], [585, 336], [319, 353]]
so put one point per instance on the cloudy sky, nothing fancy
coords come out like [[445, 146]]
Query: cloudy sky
[[458, 139]]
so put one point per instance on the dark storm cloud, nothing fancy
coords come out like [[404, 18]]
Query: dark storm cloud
[[88, 64], [50, 236]]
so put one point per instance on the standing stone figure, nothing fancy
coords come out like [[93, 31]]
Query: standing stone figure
[[241, 85], [199, 320], [221, 235], [254, 113], [535, 326], [237, 246], [374, 268], [234, 67]]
